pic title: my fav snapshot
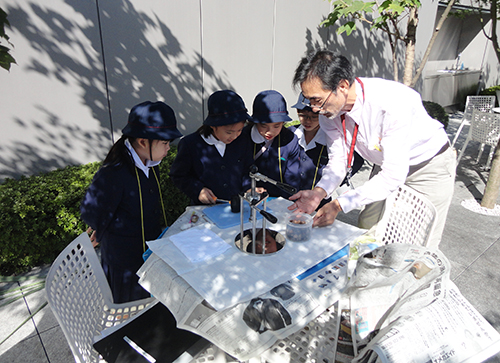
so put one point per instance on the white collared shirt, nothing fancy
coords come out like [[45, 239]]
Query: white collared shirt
[[138, 162], [395, 132], [219, 145], [256, 136], [319, 138]]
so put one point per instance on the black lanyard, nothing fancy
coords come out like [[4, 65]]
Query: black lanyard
[[350, 154]]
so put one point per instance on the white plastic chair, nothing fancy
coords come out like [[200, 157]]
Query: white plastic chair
[[481, 103], [485, 128], [408, 218], [81, 300]]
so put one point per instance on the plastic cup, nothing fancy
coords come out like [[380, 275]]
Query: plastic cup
[[299, 227]]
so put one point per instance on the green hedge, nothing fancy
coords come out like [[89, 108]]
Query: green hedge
[[39, 215], [437, 112], [490, 91]]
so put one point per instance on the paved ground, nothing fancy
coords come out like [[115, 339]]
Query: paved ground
[[471, 241]]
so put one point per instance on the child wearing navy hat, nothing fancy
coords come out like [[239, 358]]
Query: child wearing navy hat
[[213, 162], [313, 148], [123, 205], [274, 148]]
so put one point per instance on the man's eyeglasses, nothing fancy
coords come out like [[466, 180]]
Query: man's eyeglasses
[[312, 104]]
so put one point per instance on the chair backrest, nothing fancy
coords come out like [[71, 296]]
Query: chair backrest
[[408, 218], [485, 127], [481, 103], [81, 300]]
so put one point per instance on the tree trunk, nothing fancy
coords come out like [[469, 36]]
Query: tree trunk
[[395, 64], [493, 185], [393, 43], [411, 36], [494, 37], [418, 73]]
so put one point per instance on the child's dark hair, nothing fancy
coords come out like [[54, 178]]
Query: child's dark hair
[[205, 130], [120, 154]]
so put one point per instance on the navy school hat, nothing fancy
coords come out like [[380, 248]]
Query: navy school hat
[[270, 106], [152, 120], [225, 107], [300, 103]]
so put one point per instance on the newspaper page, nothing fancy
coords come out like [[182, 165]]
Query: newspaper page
[[168, 287], [249, 328], [447, 330]]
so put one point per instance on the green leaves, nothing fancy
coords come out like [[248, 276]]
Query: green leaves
[[377, 16], [6, 58], [3, 22], [347, 27], [348, 9], [398, 6]]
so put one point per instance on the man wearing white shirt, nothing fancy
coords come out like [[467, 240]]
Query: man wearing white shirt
[[386, 123], [314, 150]]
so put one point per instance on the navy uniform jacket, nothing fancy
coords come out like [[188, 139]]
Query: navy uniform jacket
[[112, 207], [285, 147], [198, 165]]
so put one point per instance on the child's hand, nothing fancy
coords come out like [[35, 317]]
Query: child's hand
[[92, 237], [258, 190], [207, 196]]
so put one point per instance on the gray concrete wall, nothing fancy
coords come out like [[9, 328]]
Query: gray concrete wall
[[82, 64]]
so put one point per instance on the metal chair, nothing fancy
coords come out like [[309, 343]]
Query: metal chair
[[408, 218], [80, 298], [485, 128], [481, 103]]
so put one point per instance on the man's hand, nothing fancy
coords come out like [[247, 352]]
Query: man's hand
[[207, 196], [327, 214], [306, 201]]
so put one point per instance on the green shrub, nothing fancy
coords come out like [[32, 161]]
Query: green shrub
[[39, 215], [490, 91], [175, 201], [437, 112], [292, 123]]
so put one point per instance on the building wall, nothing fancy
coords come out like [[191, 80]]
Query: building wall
[[82, 64], [460, 45]]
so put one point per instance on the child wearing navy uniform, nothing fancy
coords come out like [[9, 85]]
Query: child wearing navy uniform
[[213, 162], [123, 205], [275, 148], [313, 147]]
